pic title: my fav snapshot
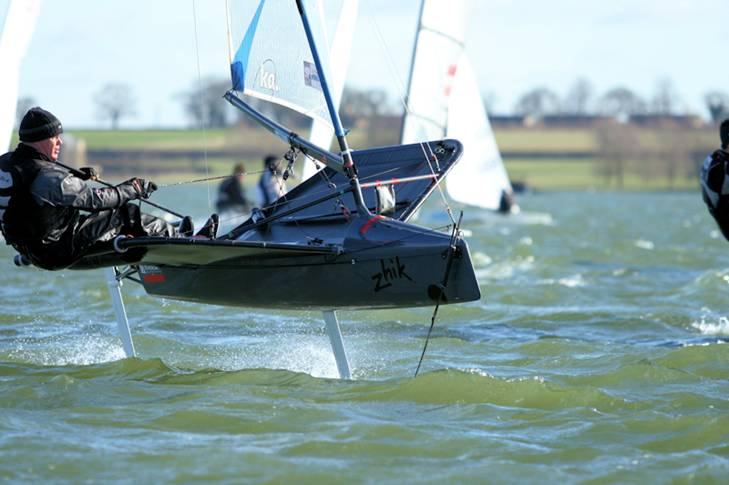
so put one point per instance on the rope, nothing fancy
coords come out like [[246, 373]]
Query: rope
[[441, 289], [206, 179], [403, 100], [200, 92], [428, 158]]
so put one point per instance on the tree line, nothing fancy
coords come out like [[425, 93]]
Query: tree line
[[619, 102], [204, 106]]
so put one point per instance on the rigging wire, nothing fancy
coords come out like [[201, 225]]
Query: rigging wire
[[404, 101], [207, 179], [200, 99]]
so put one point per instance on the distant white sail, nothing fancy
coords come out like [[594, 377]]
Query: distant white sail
[[479, 178], [341, 46], [272, 60], [439, 44], [17, 31], [444, 100]]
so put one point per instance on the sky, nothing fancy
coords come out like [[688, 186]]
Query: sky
[[162, 47]]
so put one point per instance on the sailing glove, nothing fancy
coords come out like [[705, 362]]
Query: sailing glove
[[142, 188], [87, 173]]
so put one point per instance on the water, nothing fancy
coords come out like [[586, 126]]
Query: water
[[598, 354]]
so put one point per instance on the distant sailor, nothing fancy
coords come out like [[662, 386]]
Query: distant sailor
[[51, 216], [231, 194], [271, 186], [507, 204], [715, 181]]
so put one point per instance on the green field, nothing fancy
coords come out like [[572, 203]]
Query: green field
[[583, 175], [547, 173]]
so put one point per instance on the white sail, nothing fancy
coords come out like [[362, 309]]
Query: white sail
[[444, 100], [272, 60], [439, 44], [341, 46], [17, 31], [479, 178]]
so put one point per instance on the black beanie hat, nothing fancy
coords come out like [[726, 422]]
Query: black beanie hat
[[724, 133], [39, 124]]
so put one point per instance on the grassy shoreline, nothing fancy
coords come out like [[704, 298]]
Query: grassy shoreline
[[548, 172]]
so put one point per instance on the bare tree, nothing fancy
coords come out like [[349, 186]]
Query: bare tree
[[621, 102], [205, 106], [538, 102], [717, 102], [665, 100], [577, 100], [618, 145], [674, 150], [114, 102], [358, 104]]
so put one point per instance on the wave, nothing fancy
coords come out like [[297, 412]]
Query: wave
[[716, 328]]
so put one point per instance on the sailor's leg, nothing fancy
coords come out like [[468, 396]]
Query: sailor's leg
[[154, 226], [121, 314], [335, 337]]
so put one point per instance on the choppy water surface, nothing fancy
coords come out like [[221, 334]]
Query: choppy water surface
[[598, 354]]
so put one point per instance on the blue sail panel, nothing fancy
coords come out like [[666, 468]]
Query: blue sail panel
[[272, 59]]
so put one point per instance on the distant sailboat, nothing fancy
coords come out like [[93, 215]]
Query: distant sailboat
[[480, 179], [17, 31], [443, 99]]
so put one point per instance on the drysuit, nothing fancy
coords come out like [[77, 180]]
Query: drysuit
[[715, 188], [54, 218]]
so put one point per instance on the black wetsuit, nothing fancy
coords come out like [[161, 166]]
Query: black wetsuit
[[54, 218], [231, 196], [715, 188]]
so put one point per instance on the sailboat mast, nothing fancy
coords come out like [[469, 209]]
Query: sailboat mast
[[334, 115]]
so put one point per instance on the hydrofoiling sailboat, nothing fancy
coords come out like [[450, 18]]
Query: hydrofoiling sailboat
[[339, 240]]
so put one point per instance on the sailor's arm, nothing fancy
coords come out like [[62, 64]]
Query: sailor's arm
[[56, 187]]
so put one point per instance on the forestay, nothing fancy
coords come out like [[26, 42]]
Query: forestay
[[271, 59]]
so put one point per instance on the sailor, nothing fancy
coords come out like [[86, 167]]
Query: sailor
[[271, 185], [51, 216], [715, 181], [506, 202], [231, 194]]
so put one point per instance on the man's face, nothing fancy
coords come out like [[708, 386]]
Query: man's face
[[50, 147]]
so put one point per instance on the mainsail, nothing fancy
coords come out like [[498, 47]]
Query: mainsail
[[443, 100], [480, 179], [17, 30], [272, 60], [439, 44], [339, 50]]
